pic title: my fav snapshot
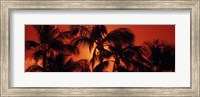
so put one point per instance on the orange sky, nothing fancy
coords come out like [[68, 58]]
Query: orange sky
[[142, 33], [145, 32]]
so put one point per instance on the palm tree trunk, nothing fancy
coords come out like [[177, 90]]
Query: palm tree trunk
[[44, 61], [116, 64], [114, 67]]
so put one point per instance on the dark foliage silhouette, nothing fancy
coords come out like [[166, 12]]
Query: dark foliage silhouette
[[49, 43], [77, 66], [161, 55], [116, 46]]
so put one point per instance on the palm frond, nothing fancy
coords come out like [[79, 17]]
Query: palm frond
[[54, 32], [100, 67], [131, 50], [38, 28], [78, 66], [56, 45], [41, 35], [142, 66], [121, 36], [82, 65], [35, 68], [105, 53], [81, 40], [114, 49], [46, 32], [65, 34], [103, 30], [38, 55], [31, 45], [84, 31], [98, 32], [71, 48], [74, 29], [65, 48], [68, 67]]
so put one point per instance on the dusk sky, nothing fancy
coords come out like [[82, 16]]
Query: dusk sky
[[145, 32], [142, 34]]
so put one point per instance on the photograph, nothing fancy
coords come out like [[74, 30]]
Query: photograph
[[99, 48], [106, 48]]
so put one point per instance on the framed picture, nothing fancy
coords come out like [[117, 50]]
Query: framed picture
[[100, 48]]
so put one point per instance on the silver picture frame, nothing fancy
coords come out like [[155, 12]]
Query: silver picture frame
[[8, 5]]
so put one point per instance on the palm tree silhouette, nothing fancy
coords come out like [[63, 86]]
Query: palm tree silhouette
[[161, 55], [91, 38], [49, 44], [77, 66], [118, 43], [130, 55]]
